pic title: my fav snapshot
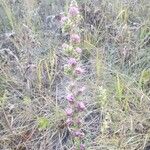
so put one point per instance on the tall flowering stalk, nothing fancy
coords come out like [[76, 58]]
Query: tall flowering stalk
[[73, 70]]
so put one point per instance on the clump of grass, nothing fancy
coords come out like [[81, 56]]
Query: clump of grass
[[115, 55]]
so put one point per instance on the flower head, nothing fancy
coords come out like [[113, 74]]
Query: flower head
[[69, 121], [63, 19], [72, 62], [79, 70], [79, 121], [81, 106], [82, 147], [69, 111], [79, 134], [78, 50], [70, 98], [73, 11], [75, 38]]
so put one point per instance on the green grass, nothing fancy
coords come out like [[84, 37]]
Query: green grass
[[116, 54]]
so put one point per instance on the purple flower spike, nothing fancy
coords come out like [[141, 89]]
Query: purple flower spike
[[78, 50], [75, 38], [70, 98], [73, 11], [79, 70], [73, 70], [82, 147], [81, 106], [69, 111], [72, 62], [69, 122]]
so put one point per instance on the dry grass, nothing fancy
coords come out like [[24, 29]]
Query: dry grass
[[116, 44]]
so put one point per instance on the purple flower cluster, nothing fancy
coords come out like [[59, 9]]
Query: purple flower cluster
[[72, 62], [73, 69], [64, 19], [73, 11], [75, 38]]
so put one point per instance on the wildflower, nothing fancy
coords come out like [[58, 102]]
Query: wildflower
[[73, 70], [70, 98], [82, 147], [81, 106], [79, 121], [79, 134], [63, 19], [69, 122], [72, 62], [73, 11], [75, 38], [69, 111], [79, 70], [78, 50]]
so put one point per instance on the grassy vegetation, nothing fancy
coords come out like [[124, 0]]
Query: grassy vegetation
[[116, 56]]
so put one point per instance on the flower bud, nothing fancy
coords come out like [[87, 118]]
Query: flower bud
[[69, 111], [78, 50], [75, 38], [79, 121], [70, 98], [79, 134], [69, 121], [63, 20], [72, 62], [79, 70], [82, 147], [73, 11], [81, 106]]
